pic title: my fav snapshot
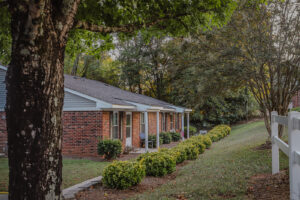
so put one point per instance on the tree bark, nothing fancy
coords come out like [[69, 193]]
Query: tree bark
[[35, 93]]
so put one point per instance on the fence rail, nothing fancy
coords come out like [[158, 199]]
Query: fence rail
[[292, 149]]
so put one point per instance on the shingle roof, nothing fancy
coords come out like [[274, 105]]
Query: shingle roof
[[110, 94]]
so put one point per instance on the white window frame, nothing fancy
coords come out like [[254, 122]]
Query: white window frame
[[171, 121], [113, 125], [142, 122]]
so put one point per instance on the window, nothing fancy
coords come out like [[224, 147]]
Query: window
[[177, 121], [171, 121], [115, 125], [142, 122], [164, 122]]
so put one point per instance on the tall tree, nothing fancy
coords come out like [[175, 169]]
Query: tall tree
[[35, 89]]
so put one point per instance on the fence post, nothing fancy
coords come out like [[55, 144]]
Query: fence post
[[275, 148], [294, 145]]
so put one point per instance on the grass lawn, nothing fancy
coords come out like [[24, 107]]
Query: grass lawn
[[74, 171], [223, 171]]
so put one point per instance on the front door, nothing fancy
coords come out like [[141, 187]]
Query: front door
[[128, 129]]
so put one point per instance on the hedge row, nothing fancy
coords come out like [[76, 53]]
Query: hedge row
[[124, 174]]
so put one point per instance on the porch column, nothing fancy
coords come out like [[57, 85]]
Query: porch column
[[157, 129], [188, 125], [146, 131], [182, 124]]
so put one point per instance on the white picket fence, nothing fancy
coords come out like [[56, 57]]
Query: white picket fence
[[292, 149]]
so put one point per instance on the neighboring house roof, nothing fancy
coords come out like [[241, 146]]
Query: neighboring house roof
[[111, 94]]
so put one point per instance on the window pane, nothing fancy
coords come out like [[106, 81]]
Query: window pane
[[115, 119], [128, 132], [115, 132], [128, 120], [142, 118], [142, 128]]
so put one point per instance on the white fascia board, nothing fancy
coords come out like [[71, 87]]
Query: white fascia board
[[81, 109], [99, 103], [177, 109], [188, 110], [168, 110], [140, 107], [2, 67], [123, 107]]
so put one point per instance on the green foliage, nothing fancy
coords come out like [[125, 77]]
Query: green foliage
[[158, 163], [178, 153], [5, 36], [123, 174], [193, 131], [191, 150], [166, 137], [207, 141], [296, 109], [153, 139], [175, 136], [109, 148], [219, 132]]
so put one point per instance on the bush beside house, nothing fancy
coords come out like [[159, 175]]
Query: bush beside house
[[162, 162], [110, 148]]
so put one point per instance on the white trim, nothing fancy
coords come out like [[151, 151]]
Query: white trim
[[81, 109], [2, 67], [188, 110], [122, 106]]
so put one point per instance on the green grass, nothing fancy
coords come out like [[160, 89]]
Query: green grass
[[296, 109], [224, 170], [74, 171]]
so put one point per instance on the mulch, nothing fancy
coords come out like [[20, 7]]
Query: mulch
[[148, 184], [269, 187]]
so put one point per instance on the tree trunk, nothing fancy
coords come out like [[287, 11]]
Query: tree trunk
[[35, 92]]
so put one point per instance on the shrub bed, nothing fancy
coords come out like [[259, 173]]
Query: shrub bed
[[123, 174], [109, 148], [158, 163], [153, 139], [175, 136], [166, 137]]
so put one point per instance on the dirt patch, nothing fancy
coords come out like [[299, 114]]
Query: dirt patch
[[269, 187], [149, 183], [265, 146]]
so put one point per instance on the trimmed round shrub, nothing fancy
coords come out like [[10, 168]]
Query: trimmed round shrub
[[193, 131], [158, 163], [191, 151], [153, 139], [123, 174], [178, 153], [207, 141], [175, 136], [198, 142], [166, 137], [110, 148]]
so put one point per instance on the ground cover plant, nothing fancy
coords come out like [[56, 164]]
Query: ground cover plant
[[162, 162]]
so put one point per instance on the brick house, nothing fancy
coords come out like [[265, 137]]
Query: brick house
[[296, 100], [94, 110]]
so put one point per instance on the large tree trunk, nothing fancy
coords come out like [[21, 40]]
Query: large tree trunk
[[35, 99]]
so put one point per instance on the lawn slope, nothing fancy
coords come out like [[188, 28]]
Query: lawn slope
[[223, 171]]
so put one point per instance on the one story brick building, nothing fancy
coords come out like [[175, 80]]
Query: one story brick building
[[94, 110]]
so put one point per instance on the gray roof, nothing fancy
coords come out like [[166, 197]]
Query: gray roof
[[110, 94]]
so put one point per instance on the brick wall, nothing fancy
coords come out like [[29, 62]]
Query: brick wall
[[296, 100], [152, 123], [81, 133], [136, 129], [3, 133]]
